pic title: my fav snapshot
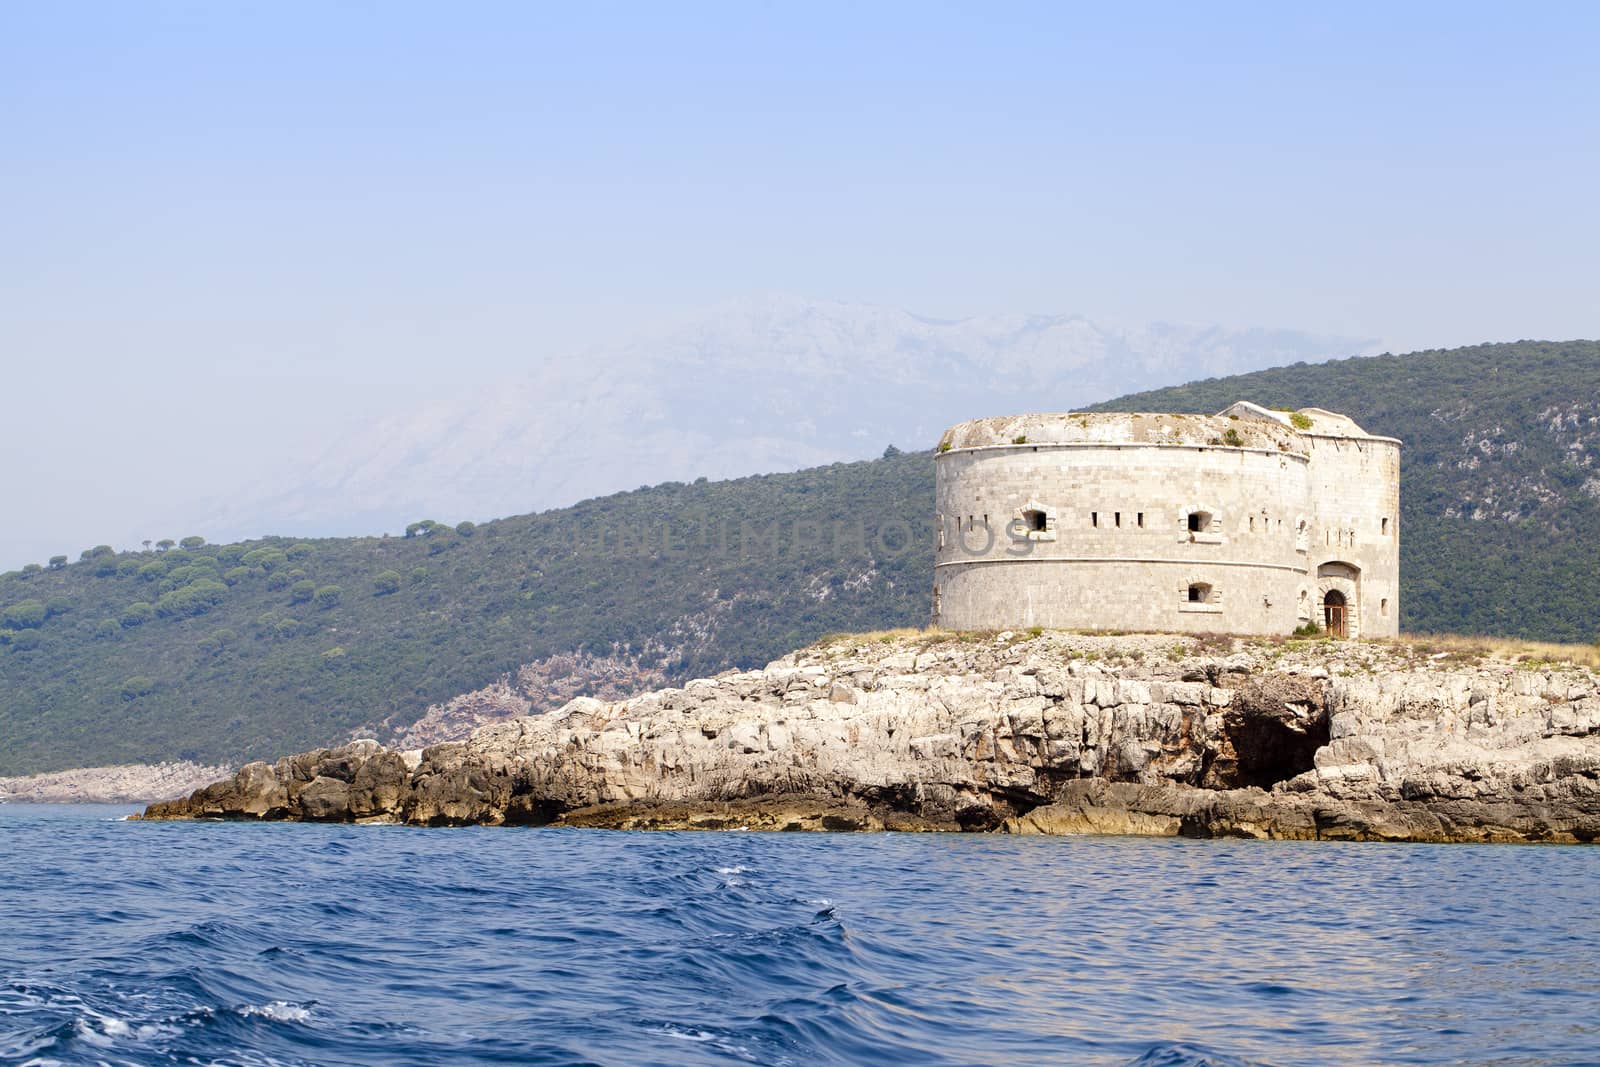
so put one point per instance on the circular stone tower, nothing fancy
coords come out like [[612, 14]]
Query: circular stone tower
[[1250, 521]]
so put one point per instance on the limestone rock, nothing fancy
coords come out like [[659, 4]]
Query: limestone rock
[[1057, 733]]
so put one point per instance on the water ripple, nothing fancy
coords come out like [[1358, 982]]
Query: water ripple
[[285, 944]]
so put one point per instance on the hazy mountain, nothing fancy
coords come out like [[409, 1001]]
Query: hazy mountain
[[770, 383]]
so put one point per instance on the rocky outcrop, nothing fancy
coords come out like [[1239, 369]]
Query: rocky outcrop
[[537, 687], [1055, 733], [122, 784]]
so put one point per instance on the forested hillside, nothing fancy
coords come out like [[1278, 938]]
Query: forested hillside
[[245, 650], [236, 651], [1499, 476]]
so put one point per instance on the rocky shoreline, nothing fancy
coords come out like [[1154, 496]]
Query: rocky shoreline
[[1019, 733], [126, 783]]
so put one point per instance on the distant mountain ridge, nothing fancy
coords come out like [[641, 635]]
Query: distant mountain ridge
[[752, 386]]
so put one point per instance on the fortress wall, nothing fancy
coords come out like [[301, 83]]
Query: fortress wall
[[1355, 487], [1085, 570]]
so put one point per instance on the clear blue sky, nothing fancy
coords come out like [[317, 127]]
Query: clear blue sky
[[297, 209]]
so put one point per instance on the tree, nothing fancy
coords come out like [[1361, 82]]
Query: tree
[[107, 628], [196, 598], [386, 582], [137, 614], [302, 591], [890, 452], [136, 687], [32, 568], [235, 575], [267, 556], [193, 541], [328, 596], [164, 544], [57, 562], [25, 615], [25, 640], [466, 528], [57, 605]]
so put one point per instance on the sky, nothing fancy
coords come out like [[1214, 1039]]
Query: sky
[[226, 229]]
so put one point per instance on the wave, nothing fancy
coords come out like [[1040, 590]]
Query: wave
[[144, 943]]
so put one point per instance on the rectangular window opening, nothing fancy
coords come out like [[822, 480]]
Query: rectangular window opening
[[1118, 519], [1141, 520], [1094, 519]]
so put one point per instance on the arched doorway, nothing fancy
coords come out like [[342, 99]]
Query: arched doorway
[[1333, 614]]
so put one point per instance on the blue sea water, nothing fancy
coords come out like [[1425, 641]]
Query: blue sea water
[[134, 943]]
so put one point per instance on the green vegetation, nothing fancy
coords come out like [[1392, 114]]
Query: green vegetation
[[227, 652]]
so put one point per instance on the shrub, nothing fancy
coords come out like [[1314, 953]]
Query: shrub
[[386, 582], [328, 596], [57, 605], [278, 580], [1299, 421], [32, 568], [107, 628], [286, 627], [136, 687], [1307, 629], [24, 615], [1020, 439], [57, 562], [302, 591], [137, 614], [216, 641], [466, 528], [1232, 439], [419, 575]]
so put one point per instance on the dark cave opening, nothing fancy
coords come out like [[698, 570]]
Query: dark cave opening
[[1274, 750]]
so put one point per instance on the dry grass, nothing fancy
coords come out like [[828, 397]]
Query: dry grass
[[1510, 649]]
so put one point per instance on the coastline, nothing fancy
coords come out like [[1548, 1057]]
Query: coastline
[[1049, 732], [127, 783]]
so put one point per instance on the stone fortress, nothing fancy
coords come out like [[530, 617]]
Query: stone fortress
[[1249, 522]]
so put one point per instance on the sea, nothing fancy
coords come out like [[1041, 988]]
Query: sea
[[229, 943]]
